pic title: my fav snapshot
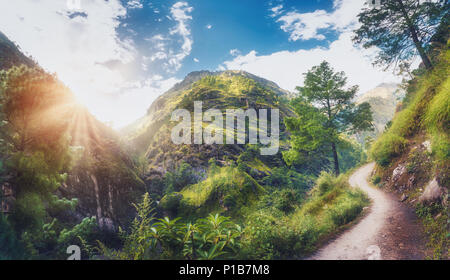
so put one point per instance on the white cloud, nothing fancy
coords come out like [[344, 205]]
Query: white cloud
[[123, 109], [235, 52], [134, 4], [276, 11], [78, 47], [180, 13], [305, 26], [286, 68], [74, 48]]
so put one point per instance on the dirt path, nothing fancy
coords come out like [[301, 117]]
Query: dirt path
[[389, 231]]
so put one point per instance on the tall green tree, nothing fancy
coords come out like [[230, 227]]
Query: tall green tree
[[34, 144], [325, 111], [401, 29]]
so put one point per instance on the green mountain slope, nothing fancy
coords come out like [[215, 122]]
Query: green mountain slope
[[413, 156], [102, 176], [219, 90]]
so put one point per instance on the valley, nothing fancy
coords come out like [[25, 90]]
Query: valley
[[226, 164]]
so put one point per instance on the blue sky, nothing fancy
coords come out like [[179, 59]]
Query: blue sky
[[217, 27], [119, 55]]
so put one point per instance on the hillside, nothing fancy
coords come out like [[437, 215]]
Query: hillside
[[412, 156], [10, 54], [219, 90], [102, 176]]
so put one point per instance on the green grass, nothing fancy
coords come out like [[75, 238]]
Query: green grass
[[387, 147], [437, 120], [226, 189], [435, 220], [426, 109], [272, 235], [426, 112]]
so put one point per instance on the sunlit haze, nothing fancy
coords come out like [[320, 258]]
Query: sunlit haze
[[119, 56]]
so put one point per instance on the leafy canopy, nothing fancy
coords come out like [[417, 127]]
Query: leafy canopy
[[401, 29], [325, 112]]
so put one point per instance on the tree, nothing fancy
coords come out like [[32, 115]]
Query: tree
[[325, 112], [401, 29], [30, 99], [34, 145]]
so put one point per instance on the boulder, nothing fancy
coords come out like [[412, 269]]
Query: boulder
[[427, 145], [433, 193], [398, 171]]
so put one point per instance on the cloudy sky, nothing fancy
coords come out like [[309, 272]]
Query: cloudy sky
[[119, 55]]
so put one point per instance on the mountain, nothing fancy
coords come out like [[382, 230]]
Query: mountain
[[219, 90], [103, 177], [383, 101], [11, 55]]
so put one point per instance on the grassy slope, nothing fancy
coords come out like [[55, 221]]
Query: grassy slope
[[331, 204], [425, 116]]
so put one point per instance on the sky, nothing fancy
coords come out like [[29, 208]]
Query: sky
[[118, 56]]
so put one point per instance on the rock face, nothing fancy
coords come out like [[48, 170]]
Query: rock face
[[398, 171], [433, 193]]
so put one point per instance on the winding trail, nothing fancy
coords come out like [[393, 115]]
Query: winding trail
[[389, 231]]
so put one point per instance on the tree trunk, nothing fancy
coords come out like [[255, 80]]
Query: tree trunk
[[336, 161], [412, 30]]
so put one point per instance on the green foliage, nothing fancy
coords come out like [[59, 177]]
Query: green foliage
[[226, 184], [350, 154], [325, 111], [10, 248], [85, 230], [284, 177], [426, 109], [435, 219], [285, 200], [376, 179], [210, 238], [36, 152], [400, 29], [271, 235], [387, 147], [183, 176], [29, 212], [437, 120]]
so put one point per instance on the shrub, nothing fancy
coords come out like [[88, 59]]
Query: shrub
[[387, 147], [376, 179], [270, 234], [171, 202], [9, 245], [183, 176]]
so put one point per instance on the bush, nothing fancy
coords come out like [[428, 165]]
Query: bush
[[183, 176], [170, 202], [387, 147], [376, 179], [10, 247], [209, 195], [270, 234]]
